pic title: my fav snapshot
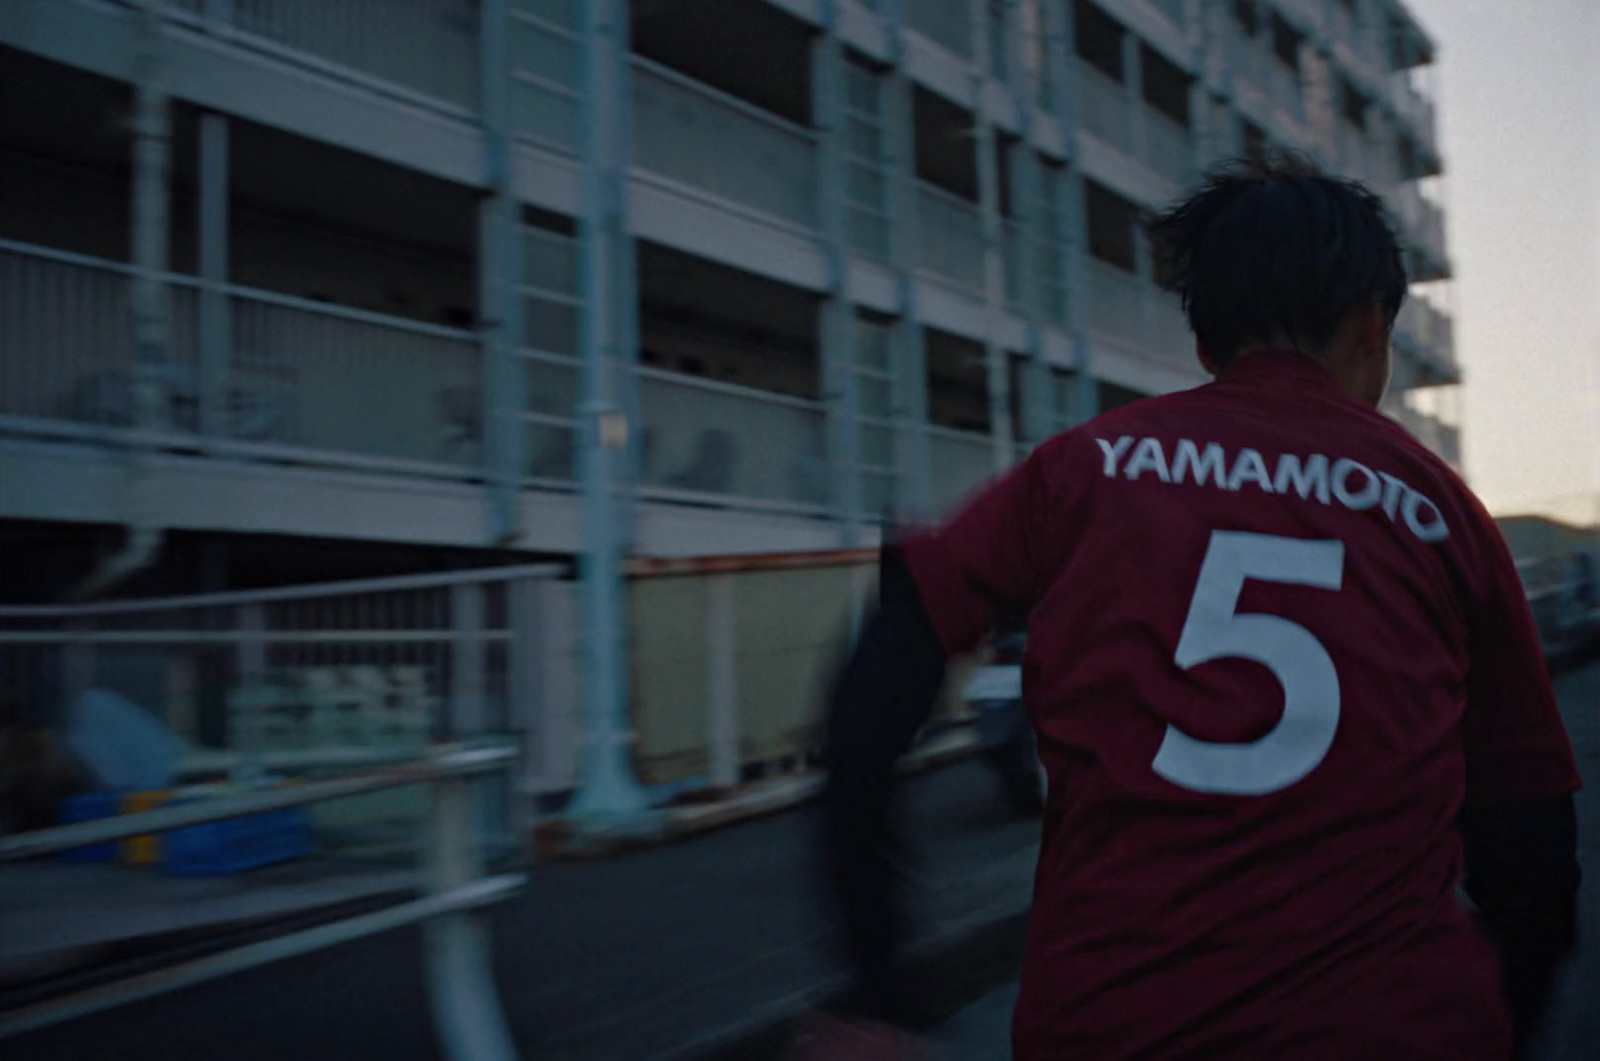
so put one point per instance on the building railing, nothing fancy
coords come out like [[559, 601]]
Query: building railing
[[944, 23], [1421, 219], [706, 439], [950, 236], [293, 364], [1116, 299], [1427, 328], [1169, 150], [1416, 110], [692, 133], [1012, 248], [962, 461], [1170, 337], [1105, 107], [466, 1011], [426, 46]]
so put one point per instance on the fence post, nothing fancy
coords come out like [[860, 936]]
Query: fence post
[[466, 1009], [252, 649], [528, 712], [464, 714], [721, 650]]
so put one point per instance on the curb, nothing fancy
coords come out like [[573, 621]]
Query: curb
[[559, 838]]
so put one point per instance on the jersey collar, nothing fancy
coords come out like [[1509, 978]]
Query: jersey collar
[[1274, 364]]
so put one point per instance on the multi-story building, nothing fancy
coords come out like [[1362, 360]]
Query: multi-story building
[[314, 286]]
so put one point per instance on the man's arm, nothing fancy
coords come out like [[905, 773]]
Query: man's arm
[[885, 693], [1522, 872]]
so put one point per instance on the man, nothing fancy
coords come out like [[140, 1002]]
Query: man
[[1286, 688]]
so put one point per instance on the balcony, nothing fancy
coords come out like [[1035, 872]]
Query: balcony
[[961, 461], [1416, 111], [429, 47], [1105, 107], [1116, 304], [1428, 331], [950, 237], [944, 23], [708, 441], [1422, 223], [1168, 149], [706, 139], [292, 370]]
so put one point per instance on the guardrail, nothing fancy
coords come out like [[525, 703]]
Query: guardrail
[[466, 1011]]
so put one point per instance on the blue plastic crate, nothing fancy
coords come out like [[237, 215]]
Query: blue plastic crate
[[91, 806], [218, 849]]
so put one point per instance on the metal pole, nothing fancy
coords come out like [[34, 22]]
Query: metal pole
[[215, 332], [835, 334], [609, 799], [151, 201], [466, 1008], [995, 356], [501, 398]]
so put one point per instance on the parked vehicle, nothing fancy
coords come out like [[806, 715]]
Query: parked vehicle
[[1006, 734]]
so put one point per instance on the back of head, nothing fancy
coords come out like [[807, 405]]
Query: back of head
[[1273, 252]]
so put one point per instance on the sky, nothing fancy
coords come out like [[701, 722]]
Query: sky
[[1518, 92]]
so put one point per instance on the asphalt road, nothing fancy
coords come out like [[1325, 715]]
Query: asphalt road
[[635, 956]]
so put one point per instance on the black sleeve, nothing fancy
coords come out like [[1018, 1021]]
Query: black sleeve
[[884, 694], [1522, 871]]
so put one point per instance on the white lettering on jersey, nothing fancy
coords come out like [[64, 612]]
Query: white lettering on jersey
[[1114, 452], [1307, 478], [1370, 490], [1147, 456], [1190, 459], [1348, 482], [1248, 466]]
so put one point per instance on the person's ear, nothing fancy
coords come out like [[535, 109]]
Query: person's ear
[[1372, 331], [1204, 356]]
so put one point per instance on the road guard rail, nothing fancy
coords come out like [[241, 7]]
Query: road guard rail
[[466, 1008]]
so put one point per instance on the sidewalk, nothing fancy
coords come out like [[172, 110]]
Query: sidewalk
[[694, 949]]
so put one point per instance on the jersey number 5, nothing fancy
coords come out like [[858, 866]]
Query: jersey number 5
[[1214, 630]]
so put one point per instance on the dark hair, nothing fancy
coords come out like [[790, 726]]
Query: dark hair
[[1273, 246]]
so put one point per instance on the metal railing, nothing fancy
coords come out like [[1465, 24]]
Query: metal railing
[[943, 23], [1428, 328], [962, 461], [1170, 337], [426, 46], [298, 677], [692, 133], [1421, 219], [1012, 248], [292, 365], [1105, 107], [950, 236], [712, 440], [1116, 302], [466, 1009], [1168, 149], [1416, 110]]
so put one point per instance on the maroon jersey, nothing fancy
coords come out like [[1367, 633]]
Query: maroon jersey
[[1274, 645]]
